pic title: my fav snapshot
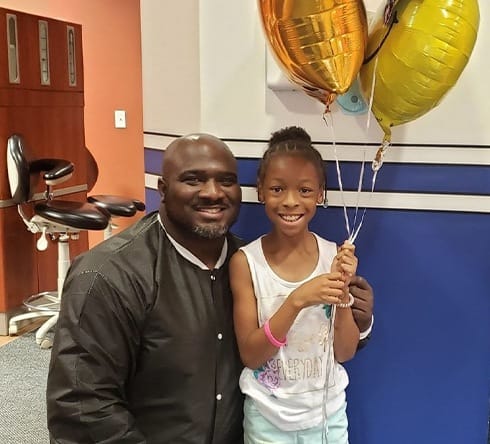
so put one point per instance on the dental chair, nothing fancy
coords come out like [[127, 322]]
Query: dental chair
[[59, 219], [115, 205]]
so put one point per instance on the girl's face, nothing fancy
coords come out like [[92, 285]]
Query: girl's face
[[291, 191]]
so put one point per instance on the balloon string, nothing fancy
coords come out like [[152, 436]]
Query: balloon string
[[371, 96], [373, 184], [337, 164], [390, 15], [359, 187], [351, 234], [328, 343]]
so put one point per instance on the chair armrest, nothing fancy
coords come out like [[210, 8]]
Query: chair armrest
[[55, 170], [140, 206]]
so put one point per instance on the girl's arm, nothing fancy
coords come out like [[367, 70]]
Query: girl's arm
[[346, 334], [254, 347], [253, 344]]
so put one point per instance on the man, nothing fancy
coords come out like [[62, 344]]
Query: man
[[144, 350], [362, 309]]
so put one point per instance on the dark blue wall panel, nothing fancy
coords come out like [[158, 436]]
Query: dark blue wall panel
[[424, 377]]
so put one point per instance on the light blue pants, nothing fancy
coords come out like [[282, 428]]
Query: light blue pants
[[257, 430]]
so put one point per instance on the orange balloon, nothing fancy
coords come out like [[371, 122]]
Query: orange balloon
[[320, 45]]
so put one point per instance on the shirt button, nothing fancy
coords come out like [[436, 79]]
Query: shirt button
[[218, 396], [220, 336], [213, 277]]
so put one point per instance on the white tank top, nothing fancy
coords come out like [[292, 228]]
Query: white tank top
[[289, 390]]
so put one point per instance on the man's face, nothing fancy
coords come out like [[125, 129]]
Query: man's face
[[200, 189]]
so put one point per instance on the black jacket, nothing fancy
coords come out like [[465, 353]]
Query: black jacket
[[144, 350]]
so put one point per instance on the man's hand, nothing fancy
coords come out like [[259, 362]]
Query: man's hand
[[362, 309]]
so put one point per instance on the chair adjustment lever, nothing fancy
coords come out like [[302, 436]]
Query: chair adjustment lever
[[42, 242]]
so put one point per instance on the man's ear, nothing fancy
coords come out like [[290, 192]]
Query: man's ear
[[162, 188]]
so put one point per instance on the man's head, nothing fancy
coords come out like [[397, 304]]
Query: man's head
[[200, 194]]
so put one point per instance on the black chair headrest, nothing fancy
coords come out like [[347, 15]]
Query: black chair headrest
[[20, 169]]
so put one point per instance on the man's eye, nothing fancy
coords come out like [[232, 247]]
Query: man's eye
[[228, 181], [191, 180]]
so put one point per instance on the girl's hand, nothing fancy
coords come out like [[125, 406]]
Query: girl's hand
[[345, 262], [327, 288]]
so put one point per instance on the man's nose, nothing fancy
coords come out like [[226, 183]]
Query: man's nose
[[211, 189]]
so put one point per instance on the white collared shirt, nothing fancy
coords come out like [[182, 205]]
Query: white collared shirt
[[193, 258]]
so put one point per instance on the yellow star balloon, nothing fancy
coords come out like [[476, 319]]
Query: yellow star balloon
[[415, 60]]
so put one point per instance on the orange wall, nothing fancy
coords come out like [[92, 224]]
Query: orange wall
[[112, 74]]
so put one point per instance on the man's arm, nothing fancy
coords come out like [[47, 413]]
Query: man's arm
[[362, 309], [94, 353]]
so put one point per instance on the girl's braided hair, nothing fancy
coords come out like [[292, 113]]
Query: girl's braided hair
[[294, 141]]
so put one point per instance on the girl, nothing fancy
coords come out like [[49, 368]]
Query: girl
[[284, 287]]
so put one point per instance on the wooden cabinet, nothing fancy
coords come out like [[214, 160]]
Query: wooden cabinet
[[41, 98]]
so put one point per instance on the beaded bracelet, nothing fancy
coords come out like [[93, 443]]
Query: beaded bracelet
[[270, 337], [347, 304]]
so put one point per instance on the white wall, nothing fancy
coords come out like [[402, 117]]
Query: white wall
[[236, 102], [171, 65], [204, 69]]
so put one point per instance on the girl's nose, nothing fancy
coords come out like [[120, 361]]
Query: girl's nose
[[290, 199]]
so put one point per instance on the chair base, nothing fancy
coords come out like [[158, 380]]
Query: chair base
[[45, 301], [41, 305]]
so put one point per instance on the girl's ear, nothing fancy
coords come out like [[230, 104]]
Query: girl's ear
[[260, 193], [321, 196]]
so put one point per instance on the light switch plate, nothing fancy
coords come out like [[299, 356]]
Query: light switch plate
[[120, 118]]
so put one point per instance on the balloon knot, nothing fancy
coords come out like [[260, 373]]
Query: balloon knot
[[379, 158]]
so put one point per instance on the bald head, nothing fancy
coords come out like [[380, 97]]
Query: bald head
[[192, 144]]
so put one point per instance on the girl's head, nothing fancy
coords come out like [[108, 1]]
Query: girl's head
[[292, 141], [291, 180]]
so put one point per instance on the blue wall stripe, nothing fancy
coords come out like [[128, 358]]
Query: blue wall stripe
[[152, 199], [454, 179], [433, 178], [153, 161]]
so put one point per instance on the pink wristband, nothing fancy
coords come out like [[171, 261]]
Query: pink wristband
[[270, 336]]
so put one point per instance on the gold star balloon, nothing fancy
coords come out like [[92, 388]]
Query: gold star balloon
[[319, 44]]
